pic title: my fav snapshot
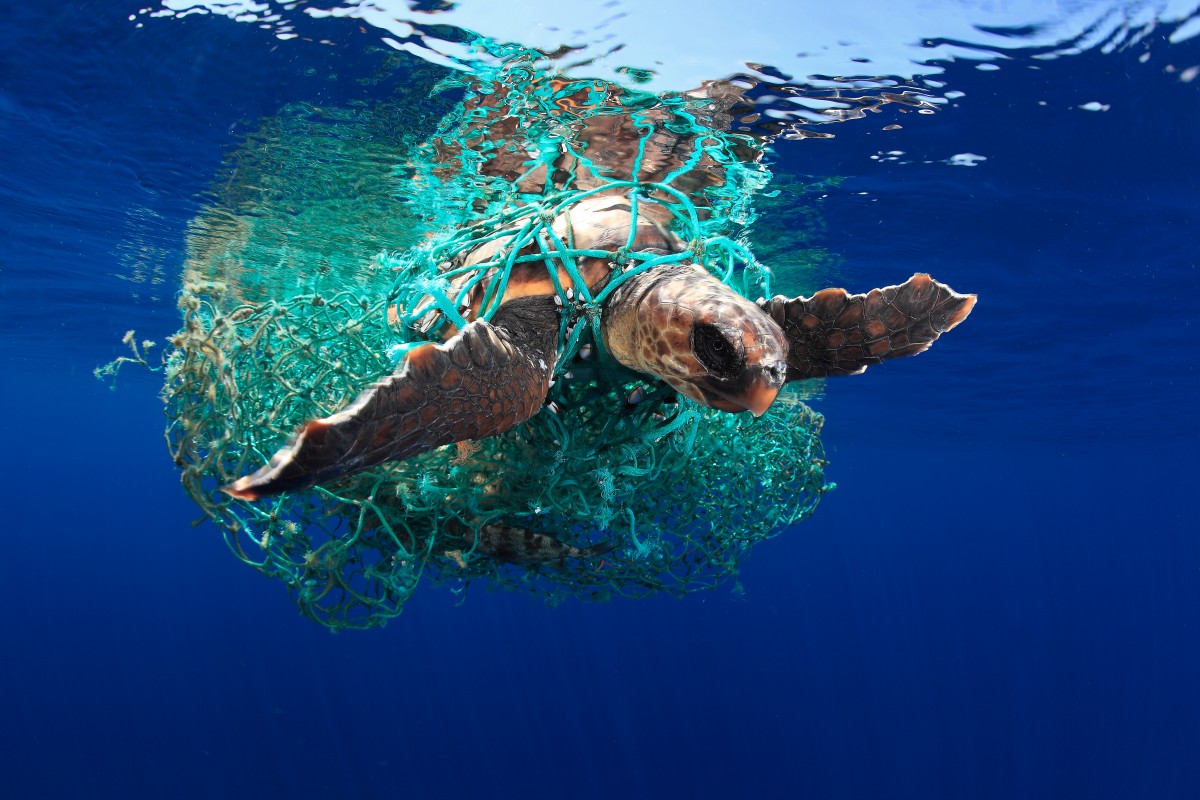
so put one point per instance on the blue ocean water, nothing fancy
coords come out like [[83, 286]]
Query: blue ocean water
[[1001, 599]]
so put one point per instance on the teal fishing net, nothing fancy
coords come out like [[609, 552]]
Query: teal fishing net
[[669, 496]]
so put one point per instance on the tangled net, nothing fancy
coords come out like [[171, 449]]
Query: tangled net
[[674, 494]]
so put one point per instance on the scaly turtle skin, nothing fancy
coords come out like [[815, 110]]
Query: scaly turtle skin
[[675, 322]]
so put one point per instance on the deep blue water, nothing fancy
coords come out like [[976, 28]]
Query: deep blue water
[[1000, 600]]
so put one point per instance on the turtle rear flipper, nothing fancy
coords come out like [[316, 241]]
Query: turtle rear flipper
[[522, 546], [837, 333], [483, 381]]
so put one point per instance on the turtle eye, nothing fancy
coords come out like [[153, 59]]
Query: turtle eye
[[718, 355]]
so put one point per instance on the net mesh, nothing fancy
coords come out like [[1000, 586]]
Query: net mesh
[[672, 495]]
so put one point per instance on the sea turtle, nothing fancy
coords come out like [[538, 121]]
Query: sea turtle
[[674, 322]]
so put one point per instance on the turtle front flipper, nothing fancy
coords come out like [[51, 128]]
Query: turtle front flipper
[[837, 333], [483, 381]]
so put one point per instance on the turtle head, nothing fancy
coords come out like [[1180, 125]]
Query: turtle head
[[682, 325]]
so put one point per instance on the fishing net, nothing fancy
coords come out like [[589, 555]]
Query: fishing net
[[669, 496]]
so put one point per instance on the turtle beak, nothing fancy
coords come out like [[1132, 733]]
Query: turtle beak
[[758, 399], [762, 385]]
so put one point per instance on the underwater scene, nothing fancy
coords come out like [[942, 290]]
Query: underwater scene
[[600, 399]]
